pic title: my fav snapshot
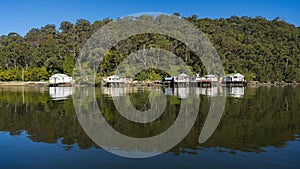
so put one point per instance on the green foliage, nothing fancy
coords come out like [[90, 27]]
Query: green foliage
[[42, 74], [69, 65], [150, 74], [31, 74], [263, 50]]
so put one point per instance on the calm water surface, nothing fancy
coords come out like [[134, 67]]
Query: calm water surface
[[260, 128]]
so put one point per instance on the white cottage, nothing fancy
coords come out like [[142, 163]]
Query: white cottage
[[211, 77], [234, 77], [60, 79], [114, 79], [182, 78], [168, 79]]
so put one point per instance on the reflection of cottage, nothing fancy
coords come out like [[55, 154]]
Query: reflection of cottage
[[115, 91], [169, 91], [210, 91], [182, 93], [58, 79], [237, 92], [236, 79], [60, 93]]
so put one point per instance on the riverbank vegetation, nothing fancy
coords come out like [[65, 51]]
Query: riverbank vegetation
[[263, 50]]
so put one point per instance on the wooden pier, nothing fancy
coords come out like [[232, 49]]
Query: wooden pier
[[185, 84], [113, 84], [235, 83]]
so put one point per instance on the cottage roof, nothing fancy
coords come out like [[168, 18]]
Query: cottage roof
[[210, 76], [183, 75], [59, 75], [235, 74], [115, 76]]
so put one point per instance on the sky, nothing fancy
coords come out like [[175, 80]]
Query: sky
[[20, 15]]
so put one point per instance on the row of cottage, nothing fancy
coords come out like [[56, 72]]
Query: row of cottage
[[230, 79], [235, 77]]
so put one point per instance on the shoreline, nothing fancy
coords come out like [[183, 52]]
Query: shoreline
[[269, 84], [28, 83]]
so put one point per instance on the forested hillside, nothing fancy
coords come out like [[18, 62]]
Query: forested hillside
[[263, 50]]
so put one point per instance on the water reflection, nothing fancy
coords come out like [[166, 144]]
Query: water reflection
[[237, 92], [211, 91], [265, 117], [60, 93], [106, 132], [182, 92]]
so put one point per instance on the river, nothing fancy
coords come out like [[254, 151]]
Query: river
[[259, 128]]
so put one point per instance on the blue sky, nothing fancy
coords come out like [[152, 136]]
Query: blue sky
[[20, 15]]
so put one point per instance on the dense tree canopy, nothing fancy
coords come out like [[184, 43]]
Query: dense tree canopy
[[263, 50]]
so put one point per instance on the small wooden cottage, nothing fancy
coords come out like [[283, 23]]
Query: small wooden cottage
[[113, 80], [168, 79], [236, 79], [179, 81], [211, 77], [58, 79], [182, 92], [182, 78]]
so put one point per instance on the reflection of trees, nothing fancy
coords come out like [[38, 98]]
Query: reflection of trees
[[270, 117], [43, 119], [140, 101]]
